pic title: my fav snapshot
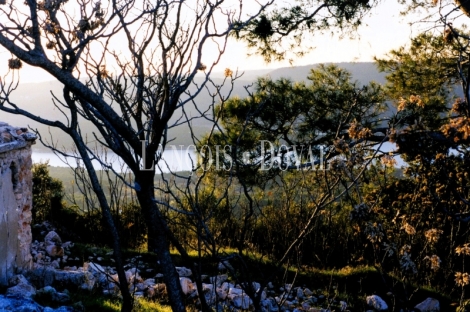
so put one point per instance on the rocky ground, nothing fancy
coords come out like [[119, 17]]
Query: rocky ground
[[52, 271]]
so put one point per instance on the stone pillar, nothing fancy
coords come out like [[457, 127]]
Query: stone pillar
[[15, 200]]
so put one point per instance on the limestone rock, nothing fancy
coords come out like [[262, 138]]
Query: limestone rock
[[52, 238], [224, 266], [235, 291], [241, 301], [186, 285], [428, 305], [219, 279], [53, 244], [22, 291], [95, 268], [308, 292], [377, 303], [17, 279], [184, 272]]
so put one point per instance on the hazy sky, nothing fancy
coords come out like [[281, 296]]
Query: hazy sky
[[383, 30]]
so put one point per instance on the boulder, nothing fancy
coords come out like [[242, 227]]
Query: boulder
[[17, 279], [224, 266], [94, 267], [186, 285], [42, 277], [27, 305], [235, 291], [21, 288], [53, 244], [54, 251], [184, 272], [219, 279], [241, 301], [21, 291], [221, 293], [428, 305], [377, 303]]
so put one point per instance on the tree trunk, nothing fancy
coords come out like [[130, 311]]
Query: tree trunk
[[127, 302], [158, 240]]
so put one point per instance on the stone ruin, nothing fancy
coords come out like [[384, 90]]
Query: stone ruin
[[15, 200]]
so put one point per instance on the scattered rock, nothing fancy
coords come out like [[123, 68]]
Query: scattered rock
[[241, 301], [53, 244], [377, 303], [218, 280], [21, 287], [27, 305], [428, 305], [184, 272], [235, 291], [308, 292], [186, 285], [224, 266]]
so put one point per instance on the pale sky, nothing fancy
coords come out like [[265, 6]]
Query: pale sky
[[384, 29]]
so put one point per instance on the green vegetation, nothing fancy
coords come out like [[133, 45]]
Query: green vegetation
[[361, 222], [303, 192]]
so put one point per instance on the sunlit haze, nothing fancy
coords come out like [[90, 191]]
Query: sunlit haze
[[382, 30]]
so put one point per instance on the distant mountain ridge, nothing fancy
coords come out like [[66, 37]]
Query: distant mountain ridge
[[363, 72], [36, 98]]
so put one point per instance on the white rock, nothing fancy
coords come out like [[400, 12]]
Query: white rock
[[53, 244], [17, 279], [343, 305], [428, 305], [300, 293], [242, 302], [22, 290], [52, 238], [186, 285], [67, 245], [183, 272], [54, 251], [306, 306], [207, 287], [263, 295], [132, 277], [235, 291], [267, 304], [224, 266], [219, 279], [221, 293], [226, 286], [377, 303], [149, 282]]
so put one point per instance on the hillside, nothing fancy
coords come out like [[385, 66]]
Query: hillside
[[37, 99]]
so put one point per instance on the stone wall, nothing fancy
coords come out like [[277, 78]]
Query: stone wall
[[15, 200]]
